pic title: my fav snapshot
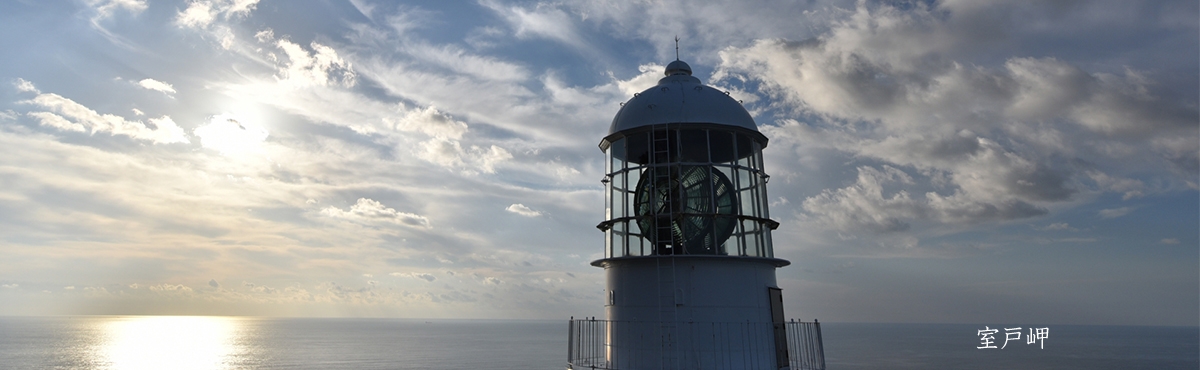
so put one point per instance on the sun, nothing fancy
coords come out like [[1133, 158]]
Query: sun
[[234, 135]]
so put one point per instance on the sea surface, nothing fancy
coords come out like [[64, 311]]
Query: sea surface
[[202, 342]]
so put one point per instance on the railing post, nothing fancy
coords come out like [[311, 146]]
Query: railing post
[[820, 344], [570, 342]]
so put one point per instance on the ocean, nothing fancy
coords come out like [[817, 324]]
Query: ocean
[[202, 342]]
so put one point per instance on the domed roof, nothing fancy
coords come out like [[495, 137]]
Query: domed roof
[[681, 98]]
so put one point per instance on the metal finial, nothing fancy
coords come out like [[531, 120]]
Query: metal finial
[[676, 47]]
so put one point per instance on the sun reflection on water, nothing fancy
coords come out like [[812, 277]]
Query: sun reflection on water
[[170, 342]]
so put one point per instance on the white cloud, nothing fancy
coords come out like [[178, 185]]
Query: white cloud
[[321, 67], [1058, 226], [522, 210], [25, 86], [864, 203], [202, 13], [416, 275], [1169, 241], [462, 62], [56, 121], [369, 211], [649, 76], [241, 7], [105, 8], [170, 288], [1115, 212], [71, 116], [10, 286], [152, 84], [198, 14], [428, 121], [544, 20], [363, 7], [450, 154]]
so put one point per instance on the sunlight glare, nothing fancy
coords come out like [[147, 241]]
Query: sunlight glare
[[233, 135], [170, 342]]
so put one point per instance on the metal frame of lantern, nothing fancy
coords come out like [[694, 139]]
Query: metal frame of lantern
[[686, 218]]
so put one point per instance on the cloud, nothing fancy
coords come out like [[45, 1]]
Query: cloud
[[544, 20], [864, 203], [450, 154], [465, 63], [363, 7], [882, 87], [56, 121], [369, 211], [170, 288], [152, 84], [202, 13], [213, 18], [25, 86], [522, 210], [198, 14], [1057, 226], [1169, 241], [416, 275], [105, 8], [428, 121], [67, 115], [321, 67], [213, 283], [1114, 212], [10, 286]]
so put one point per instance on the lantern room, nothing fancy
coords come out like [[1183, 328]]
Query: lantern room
[[684, 174]]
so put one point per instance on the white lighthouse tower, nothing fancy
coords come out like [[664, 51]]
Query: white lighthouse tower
[[690, 271]]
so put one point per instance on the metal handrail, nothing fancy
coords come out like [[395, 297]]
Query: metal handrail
[[590, 345]]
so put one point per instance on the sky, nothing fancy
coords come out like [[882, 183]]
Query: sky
[[957, 161]]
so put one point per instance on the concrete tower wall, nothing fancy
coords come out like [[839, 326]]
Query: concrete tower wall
[[701, 289], [695, 312]]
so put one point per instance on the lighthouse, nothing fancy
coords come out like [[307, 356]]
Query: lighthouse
[[688, 259]]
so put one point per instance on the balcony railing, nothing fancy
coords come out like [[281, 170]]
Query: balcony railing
[[614, 345]]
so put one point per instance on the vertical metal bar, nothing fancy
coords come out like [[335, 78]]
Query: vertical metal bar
[[580, 347], [591, 337], [820, 344], [745, 360], [792, 357], [802, 338], [570, 340], [813, 334], [592, 347], [798, 345], [811, 348]]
